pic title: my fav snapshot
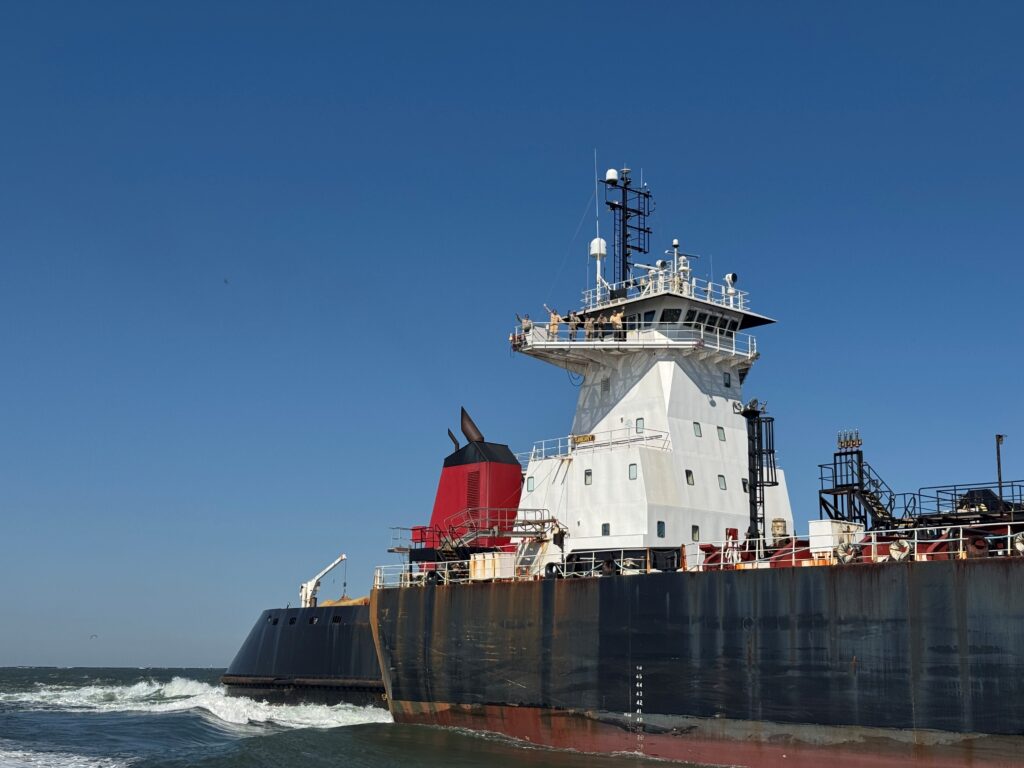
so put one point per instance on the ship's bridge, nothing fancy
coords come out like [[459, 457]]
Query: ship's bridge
[[666, 309]]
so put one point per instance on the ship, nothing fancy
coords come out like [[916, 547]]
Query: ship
[[319, 652], [323, 652], [638, 585]]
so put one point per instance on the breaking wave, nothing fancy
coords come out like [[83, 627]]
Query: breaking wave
[[182, 694], [11, 757]]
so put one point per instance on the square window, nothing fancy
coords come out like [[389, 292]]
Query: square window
[[336, 620], [606, 529], [588, 477], [746, 485], [661, 529], [695, 532], [721, 434], [639, 425], [291, 621], [689, 477], [696, 429], [721, 482], [314, 619], [529, 484], [690, 315], [632, 471], [727, 379]]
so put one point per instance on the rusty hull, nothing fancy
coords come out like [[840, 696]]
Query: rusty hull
[[866, 665]]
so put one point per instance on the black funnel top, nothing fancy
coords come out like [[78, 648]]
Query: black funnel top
[[470, 430]]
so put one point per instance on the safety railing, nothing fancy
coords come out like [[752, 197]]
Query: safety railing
[[658, 282], [561, 447], [845, 548], [690, 336], [858, 547]]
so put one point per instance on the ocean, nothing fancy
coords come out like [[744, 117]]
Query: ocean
[[172, 718]]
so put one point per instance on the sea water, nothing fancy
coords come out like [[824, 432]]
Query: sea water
[[114, 718]]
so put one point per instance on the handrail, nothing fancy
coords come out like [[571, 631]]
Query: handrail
[[849, 548], [564, 335], [558, 447], [657, 282]]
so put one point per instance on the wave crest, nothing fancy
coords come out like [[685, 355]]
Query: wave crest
[[182, 694]]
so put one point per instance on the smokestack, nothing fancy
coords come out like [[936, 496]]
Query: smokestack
[[469, 429], [453, 439]]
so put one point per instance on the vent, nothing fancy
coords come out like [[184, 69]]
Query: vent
[[606, 386], [473, 489]]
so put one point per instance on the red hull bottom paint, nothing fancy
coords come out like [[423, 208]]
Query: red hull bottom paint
[[725, 743]]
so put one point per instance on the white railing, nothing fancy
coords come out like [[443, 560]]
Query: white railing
[[852, 548], [690, 336], [558, 447], [665, 281], [855, 547]]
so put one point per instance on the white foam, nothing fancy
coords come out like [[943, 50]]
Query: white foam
[[181, 694], [24, 758]]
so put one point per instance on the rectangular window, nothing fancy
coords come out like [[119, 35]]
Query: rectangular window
[[529, 484], [588, 477], [695, 532], [606, 529], [746, 485], [721, 434], [727, 378], [690, 315], [632, 471], [721, 482], [661, 529], [648, 318], [696, 429], [639, 425], [671, 315], [336, 620], [689, 477]]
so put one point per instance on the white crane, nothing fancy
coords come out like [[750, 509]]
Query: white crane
[[307, 590]]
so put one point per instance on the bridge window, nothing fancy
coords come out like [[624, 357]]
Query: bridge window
[[689, 477], [632, 471], [690, 315], [727, 379], [661, 529], [695, 532], [696, 429], [721, 434], [639, 425], [702, 318], [721, 482], [670, 315], [529, 484], [588, 477], [606, 529], [648, 318]]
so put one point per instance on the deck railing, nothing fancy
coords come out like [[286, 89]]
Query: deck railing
[[665, 281], [844, 549], [692, 336], [560, 447]]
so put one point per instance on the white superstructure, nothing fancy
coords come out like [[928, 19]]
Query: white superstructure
[[658, 454]]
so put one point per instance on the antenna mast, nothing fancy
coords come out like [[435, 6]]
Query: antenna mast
[[630, 207]]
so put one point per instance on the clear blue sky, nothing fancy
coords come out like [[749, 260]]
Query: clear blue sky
[[254, 256]]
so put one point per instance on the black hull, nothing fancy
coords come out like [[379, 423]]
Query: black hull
[[812, 656], [321, 655]]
